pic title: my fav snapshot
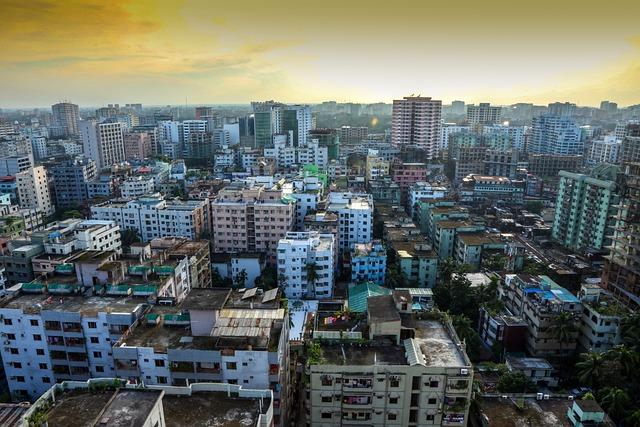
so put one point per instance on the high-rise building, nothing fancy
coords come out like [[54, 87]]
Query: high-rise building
[[325, 138], [102, 142], [483, 114], [137, 145], [353, 134], [585, 212], [417, 120], [66, 118], [457, 107], [630, 150], [70, 181], [202, 112], [562, 109], [265, 122], [33, 190], [355, 217], [605, 150], [306, 264], [622, 268], [555, 134], [608, 106]]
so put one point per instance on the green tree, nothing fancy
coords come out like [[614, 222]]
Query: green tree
[[456, 297], [615, 402], [626, 360], [465, 331], [495, 262], [314, 354], [129, 236], [394, 277], [563, 328], [515, 382], [590, 368], [534, 207], [633, 420], [72, 213], [312, 276], [268, 278], [446, 269], [630, 331], [240, 281]]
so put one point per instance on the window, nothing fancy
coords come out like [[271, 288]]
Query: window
[[93, 325], [42, 366], [394, 383], [326, 415], [232, 366], [20, 379], [46, 380], [392, 416], [37, 337], [40, 352], [97, 354], [161, 380], [94, 340], [327, 398], [99, 368], [11, 337], [34, 322], [17, 365], [433, 384], [430, 417], [159, 363], [14, 351], [8, 322], [393, 400], [432, 401]]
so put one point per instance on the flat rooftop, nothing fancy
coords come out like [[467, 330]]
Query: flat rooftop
[[211, 409], [437, 346], [163, 337], [42, 302], [77, 409], [206, 299], [130, 408], [543, 413], [367, 355]]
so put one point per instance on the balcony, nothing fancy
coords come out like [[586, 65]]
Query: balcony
[[207, 368], [72, 327], [74, 342], [52, 326], [358, 383], [182, 367]]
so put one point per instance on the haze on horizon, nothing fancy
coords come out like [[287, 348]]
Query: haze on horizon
[[161, 52]]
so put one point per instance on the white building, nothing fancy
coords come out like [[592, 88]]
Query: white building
[[169, 131], [71, 148], [355, 217], [515, 134], [102, 142], [448, 129], [152, 216], [193, 127], [312, 153], [233, 130], [299, 252], [307, 192], [424, 190], [605, 150], [33, 190], [72, 235], [39, 146], [136, 186]]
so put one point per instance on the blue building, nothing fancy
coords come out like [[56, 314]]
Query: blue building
[[368, 262]]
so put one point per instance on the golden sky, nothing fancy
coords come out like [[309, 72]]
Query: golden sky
[[161, 52]]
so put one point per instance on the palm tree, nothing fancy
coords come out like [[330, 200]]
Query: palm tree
[[463, 326], [241, 278], [615, 401], [312, 275], [590, 368], [563, 328], [626, 359], [630, 330]]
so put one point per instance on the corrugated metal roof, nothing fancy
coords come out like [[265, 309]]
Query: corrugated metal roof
[[358, 295], [413, 352], [240, 313], [270, 295]]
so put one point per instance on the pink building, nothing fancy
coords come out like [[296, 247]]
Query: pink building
[[407, 174], [137, 145], [417, 120], [251, 220]]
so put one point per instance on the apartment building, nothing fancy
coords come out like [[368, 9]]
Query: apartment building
[[549, 165], [75, 402], [539, 300], [376, 168], [137, 145], [102, 142], [553, 134], [70, 181], [152, 216], [446, 233], [424, 190], [368, 262], [621, 274], [484, 188], [417, 120], [585, 210], [33, 190], [57, 336], [605, 150], [205, 339], [418, 377], [250, 219], [483, 114], [136, 186], [355, 217], [16, 260], [384, 190], [602, 316], [306, 265], [406, 174], [70, 235], [65, 118], [415, 256]]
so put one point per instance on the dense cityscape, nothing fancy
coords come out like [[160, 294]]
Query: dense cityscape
[[273, 264]]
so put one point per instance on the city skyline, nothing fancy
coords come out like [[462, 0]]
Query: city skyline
[[163, 53]]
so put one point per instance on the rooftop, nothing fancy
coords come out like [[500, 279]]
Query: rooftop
[[39, 302], [542, 413], [161, 338], [522, 363], [437, 345], [11, 413], [206, 299], [366, 355], [209, 409], [382, 308], [130, 408]]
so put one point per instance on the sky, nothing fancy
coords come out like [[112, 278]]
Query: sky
[[211, 52]]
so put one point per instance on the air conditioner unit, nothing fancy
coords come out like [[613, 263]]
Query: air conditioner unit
[[539, 396], [464, 371], [570, 397], [546, 397]]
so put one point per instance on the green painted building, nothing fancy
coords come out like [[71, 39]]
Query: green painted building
[[327, 138], [585, 209]]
